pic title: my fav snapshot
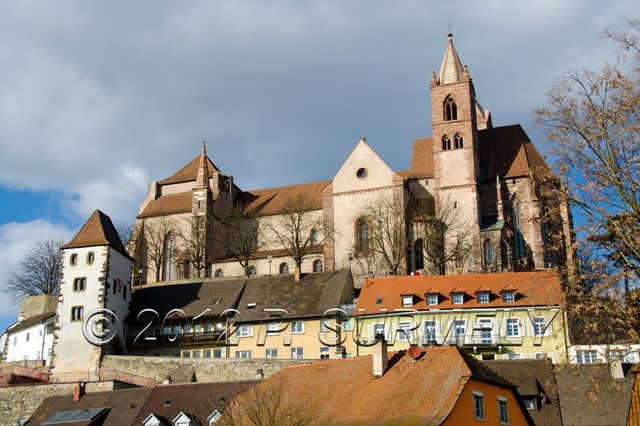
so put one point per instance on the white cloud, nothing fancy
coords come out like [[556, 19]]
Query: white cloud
[[16, 239]]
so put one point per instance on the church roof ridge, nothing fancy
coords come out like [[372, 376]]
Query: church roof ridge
[[190, 171]]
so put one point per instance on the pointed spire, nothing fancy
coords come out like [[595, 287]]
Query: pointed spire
[[98, 230], [451, 70], [434, 79], [202, 180]]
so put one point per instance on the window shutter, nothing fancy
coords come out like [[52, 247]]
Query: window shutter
[[549, 330]]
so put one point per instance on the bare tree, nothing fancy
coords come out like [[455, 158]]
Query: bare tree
[[269, 404], [156, 233], [125, 231], [388, 234], [593, 119], [298, 229], [240, 236], [446, 236], [195, 244], [38, 272]]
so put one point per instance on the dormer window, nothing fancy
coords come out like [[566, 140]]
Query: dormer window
[[450, 109], [484, 297], [407, 300], [457, 298], [509, 296], [214, 417], [432, 299], [182, 419]]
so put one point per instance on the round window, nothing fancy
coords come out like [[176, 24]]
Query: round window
[[362, 173]]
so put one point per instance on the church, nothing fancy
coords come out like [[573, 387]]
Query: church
[[471, 201]]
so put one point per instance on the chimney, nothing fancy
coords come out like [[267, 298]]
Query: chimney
[[166, 380], [78, 392], [296, 274], [616, 369], [380, 356]]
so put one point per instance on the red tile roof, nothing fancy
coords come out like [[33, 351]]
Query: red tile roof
[[189, 172], [534, 289], [169, 204], [264, 202], [97, 231], [345, 392]]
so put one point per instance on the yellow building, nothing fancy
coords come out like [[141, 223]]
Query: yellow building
[[492, 316], [257, 317]]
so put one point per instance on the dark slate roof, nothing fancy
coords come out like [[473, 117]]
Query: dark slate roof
[[97, 231], [193, 298], [31, 321], [590, 396], [312, 296], [532, 377], [197, 400], [123, 406]]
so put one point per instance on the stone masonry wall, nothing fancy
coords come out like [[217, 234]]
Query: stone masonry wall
[[20, 402], [183, 370]]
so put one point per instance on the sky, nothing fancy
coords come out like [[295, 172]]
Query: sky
[[98, 99]]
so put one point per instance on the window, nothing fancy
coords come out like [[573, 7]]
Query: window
[[169, 248], [615, 355], [509, 296], [90, 258], [457, 298], [324, 353], [284, 268], [206, 353], [486, 327], [347, 324], [478, 405], [187, 329], [79, 284], [324, 325], [457, 141], [430, 332], [503, 414], [243, 354], [297, 327], [459, 330], [513, 327], [404, 331], [252, 271], [73, 260], [362, 238], [432, 299], [483, 297], [77, 312], [446, 143], [218, 273], [450, 109], [514, 356], [538, 326], [197, 354], [587, 357], [297, 353], [314, 237], [28, 335], [317, 265], [245, 331], [124, 292], [407, 301], [271, 353], [418, 251], [529, 403], [518, 239], [362, 173], [177, 329], [487, 252], [379, 330], [214, 417]]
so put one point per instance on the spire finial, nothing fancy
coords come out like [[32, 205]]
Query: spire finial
[[450, 35], [204, 148]]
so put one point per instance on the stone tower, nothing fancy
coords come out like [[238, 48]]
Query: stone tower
[[93, 299], [455, 137]]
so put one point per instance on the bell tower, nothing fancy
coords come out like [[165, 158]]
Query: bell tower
[[455, 137]]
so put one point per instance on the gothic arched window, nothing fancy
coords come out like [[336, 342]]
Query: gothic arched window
[[362, 236], [446, 143], [450, 109], [284, 268], [488, 255], [169, 253], [419, 253], [458, 141], [317, 265]]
